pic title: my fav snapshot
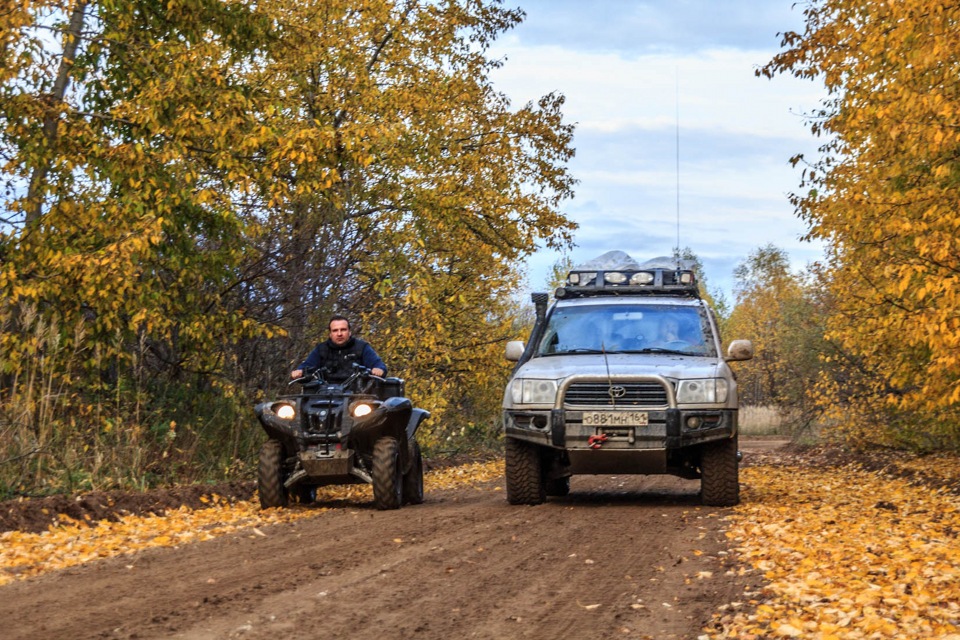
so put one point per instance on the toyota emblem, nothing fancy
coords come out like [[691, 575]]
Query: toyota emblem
[[617, 392]]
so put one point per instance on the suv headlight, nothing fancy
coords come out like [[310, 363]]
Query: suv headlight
[[700, 391], [533, 391]]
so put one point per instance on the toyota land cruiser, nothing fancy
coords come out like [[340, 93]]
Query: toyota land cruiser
[[623, 374]]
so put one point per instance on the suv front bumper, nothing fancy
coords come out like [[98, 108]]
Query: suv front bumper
[[665, 445], [667, 429]]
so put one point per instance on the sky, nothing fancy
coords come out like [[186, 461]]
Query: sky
[[675, 135]]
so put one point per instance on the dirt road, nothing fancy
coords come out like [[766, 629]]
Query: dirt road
[[620, 557]]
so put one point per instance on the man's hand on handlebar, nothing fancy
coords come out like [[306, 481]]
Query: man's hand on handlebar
[[376, 372], [302, 376], [299, 375]]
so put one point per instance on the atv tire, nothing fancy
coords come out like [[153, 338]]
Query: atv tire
[[387, 474], [413, 479], [720, 474], [270, 476], [524, 473]]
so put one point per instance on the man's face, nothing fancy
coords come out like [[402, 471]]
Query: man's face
[[339, 331]]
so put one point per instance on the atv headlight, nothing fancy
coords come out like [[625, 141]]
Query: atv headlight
[[284, 411], [533, 391], [361, 409], [710, 390]]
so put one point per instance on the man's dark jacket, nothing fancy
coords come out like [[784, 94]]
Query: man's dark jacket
[[336, 362]]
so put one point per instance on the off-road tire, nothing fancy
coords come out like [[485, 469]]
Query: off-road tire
[[720, 474], [524, 473], [558, 487], [413, 479], [387, 474], [270, 476]]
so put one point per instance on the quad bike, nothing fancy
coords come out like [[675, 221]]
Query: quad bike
[[355, 431]]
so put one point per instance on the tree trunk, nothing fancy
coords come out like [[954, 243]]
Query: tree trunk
[[71, 42]]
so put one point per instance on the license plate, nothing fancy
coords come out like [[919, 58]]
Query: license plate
[[616, 418]]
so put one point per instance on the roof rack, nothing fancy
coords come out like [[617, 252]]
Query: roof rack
[[621, 282]]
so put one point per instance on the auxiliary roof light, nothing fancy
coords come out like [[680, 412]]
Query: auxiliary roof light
[[641, 277], [614, 277], [581, 278]]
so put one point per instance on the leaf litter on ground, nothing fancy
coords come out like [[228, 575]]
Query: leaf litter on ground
[[844, 551], [848, 552], [70, 542]]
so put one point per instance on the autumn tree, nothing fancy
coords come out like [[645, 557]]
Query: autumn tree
[[782, 314], [192, 187], [430, 191], [118, 244], [885, 197]]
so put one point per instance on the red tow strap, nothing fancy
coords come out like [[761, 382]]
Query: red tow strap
[[596, 442]]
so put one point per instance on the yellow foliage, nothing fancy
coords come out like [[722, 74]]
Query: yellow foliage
[[214, 174], [885, 196], [444, 330]]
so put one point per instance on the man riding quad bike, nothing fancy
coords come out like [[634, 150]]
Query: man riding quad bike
[[352, 431]]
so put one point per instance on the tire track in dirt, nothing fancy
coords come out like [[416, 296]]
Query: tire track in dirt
[[618, 558]]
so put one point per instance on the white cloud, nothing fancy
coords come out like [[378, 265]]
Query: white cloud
[[627, 97], [714, 90]]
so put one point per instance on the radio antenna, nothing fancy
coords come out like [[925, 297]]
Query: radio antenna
[[606, 363], [677, 105]]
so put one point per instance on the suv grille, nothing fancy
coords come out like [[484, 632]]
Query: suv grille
[[636, 394]]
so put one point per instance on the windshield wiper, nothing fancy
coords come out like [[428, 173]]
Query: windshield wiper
[[569, 351], [662, 350]]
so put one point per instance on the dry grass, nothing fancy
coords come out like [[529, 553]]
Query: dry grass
[[763, 421]]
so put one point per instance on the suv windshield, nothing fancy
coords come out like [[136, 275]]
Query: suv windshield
[[619, 328]]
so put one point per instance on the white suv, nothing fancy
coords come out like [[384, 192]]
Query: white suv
[[623, 374]]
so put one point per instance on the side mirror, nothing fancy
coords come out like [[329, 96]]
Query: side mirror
[[514, 350], [739, 350]]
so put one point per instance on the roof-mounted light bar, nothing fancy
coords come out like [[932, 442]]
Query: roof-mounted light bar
[[627, 282]]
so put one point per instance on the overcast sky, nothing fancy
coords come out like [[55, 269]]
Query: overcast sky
[[631, 71]]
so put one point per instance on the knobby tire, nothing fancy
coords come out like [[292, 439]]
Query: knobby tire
[[720, 474], [413, 479], [387, 474], [270, 476], [524, 473]]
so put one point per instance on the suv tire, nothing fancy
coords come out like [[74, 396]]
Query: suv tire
[[720, 474], [524, 473]]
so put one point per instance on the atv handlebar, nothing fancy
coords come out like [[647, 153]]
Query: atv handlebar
[[360, 372]]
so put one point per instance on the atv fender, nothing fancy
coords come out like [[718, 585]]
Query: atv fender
[[277, 428], [416, 417], [390, 419]]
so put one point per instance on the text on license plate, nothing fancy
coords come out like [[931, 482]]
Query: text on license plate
[[616, 418]]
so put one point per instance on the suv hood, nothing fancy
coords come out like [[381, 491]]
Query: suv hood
[[667, 365]]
